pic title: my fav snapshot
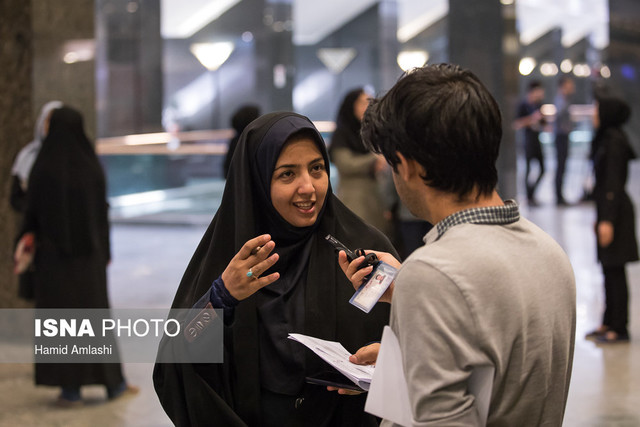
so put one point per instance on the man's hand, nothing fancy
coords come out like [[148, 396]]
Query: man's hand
[[366, 355], [356, 276]]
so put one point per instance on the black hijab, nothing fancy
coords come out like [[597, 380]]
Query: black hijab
[[347, 133], [613, 113], [68, 195], [195, 393]]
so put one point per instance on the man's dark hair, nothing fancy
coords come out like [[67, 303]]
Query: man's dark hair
[[534, 85], [444, 118]]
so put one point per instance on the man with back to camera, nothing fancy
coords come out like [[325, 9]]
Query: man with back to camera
[[488, 288]]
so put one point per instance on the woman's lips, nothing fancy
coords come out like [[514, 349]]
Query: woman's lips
[[305, 207]]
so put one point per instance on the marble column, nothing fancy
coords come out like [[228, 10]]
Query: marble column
[[274, 56], [481, 38], [129, 67], [61, 29], [16, 125]]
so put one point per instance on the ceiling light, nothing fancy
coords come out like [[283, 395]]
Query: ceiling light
[[566, 66], [410, 59], [212, 55], [527, 65]]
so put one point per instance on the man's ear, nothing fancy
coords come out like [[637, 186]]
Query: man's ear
[[407, 168]]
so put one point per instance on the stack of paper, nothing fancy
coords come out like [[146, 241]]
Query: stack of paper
[[337, 356]]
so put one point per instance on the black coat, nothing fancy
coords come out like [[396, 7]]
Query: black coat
[[231, 393], [611, 156], [66, 209]]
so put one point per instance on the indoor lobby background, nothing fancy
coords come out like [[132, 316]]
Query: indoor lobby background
[[158, 81]]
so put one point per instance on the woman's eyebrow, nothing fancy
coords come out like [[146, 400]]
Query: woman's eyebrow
[[286, 166], [293, 165]]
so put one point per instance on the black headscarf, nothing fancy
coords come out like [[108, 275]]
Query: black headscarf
[[612, 113], [190, 393], [347, 133], [68, 172]]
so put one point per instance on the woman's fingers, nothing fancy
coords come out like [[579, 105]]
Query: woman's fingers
[[262, 253], [263, 266], [265, 281], [249, 246]]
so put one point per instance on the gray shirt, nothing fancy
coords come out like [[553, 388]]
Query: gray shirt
[[483, 294]]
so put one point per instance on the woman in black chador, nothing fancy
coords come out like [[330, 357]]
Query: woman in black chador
[[264, 260], [615, 228], [66, 210]]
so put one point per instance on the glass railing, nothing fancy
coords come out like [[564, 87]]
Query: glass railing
[[170, 177]]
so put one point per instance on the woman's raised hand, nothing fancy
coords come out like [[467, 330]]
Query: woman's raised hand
[[242, 275]]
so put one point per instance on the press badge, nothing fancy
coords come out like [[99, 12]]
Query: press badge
[[375, 284]]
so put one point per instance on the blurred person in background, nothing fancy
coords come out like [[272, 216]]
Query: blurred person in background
[[531, 120], [358, 168], [615, 227], [66, 213], [240, 120], [20, 182], [563, 127]]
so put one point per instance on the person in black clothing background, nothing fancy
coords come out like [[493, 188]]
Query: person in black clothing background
[[240, 120], [615, 228], [66, 211], [530, 118], [20, 181]]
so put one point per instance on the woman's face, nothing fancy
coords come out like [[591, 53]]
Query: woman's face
[[299, 183], [360, 106]]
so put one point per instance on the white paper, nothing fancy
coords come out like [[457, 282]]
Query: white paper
[[389, 395], [337, 356]]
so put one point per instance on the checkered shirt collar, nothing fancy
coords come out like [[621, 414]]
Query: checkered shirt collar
[[495, 215]]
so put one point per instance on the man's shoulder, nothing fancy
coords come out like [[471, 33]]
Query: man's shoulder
[[476, 247]]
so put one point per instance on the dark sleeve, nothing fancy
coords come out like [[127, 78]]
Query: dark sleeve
[[219, 297], [615, 176], [17, 197], [523, 111]]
